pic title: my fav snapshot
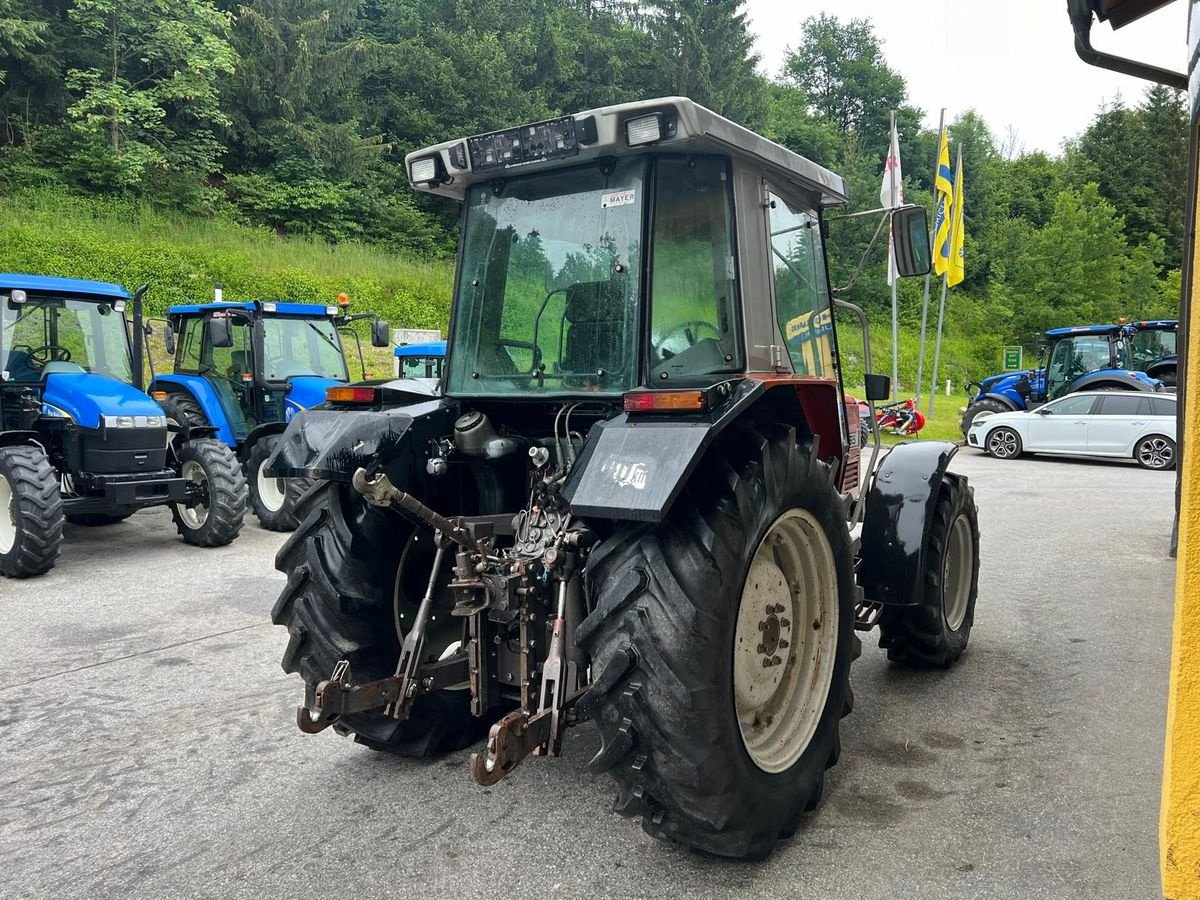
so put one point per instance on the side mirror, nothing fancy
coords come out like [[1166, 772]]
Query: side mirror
[[910, 238], [380, 334], [878, 387], [169, 337], [1042, 411], [220, 332]]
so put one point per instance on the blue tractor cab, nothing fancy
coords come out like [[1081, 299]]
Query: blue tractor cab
[[80, 441], [420, 360], [1127, 356], [246, 368]]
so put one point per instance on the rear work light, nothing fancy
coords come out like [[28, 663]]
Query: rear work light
[[665, 401], [424, 169], [352, 394], [644, 130]]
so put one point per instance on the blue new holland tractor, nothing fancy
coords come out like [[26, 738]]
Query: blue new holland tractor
[[80, 440], [244, 369], [1126, 356]]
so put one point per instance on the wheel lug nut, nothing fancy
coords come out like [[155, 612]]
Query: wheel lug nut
[[783, 644], [786, 623], [762, 626], [762, 648]]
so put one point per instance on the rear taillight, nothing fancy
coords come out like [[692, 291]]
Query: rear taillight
[[352, 395], [665, 401]]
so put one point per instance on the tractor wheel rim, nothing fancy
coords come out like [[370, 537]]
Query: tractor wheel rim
[[1003, 444], [956, 572], [1157, 453], [194, 517], [8, 515], [785, 643], [272, 492]]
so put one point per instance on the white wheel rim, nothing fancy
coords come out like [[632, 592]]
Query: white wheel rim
[[272, 492], [956, 572], [8, 516], [194, 517], [1156, 453], [1003, 443], [785, 645]]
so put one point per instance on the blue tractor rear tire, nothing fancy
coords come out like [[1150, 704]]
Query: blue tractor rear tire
[[984, 405]]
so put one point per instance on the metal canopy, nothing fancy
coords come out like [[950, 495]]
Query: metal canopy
[[601, 133]]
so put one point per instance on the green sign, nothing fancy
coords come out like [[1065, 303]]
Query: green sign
[[1012, 359]]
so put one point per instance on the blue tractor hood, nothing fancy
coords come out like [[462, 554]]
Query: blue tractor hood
[[86, 397], [305, 391], [997, 383]]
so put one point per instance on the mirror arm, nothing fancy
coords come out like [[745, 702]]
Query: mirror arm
[[862, 263]]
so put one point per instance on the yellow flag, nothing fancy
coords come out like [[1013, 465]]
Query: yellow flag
[[943, 192], [957, 232]]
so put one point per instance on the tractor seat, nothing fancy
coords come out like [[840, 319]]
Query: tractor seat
[[598, 317]]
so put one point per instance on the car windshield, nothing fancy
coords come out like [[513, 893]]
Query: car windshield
[[547, 292], [49, 334], [294, 347]]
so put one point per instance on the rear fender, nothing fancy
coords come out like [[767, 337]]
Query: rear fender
[[332, 444], [633, 469], [257, 435], [1003, 398], [1111, 378], [900, 508]]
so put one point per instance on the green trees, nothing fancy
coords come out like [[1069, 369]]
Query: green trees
[[149, 88]]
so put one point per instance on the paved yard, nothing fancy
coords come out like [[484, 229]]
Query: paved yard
[[149, 747]]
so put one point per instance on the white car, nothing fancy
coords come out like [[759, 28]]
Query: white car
[[1125, 424]]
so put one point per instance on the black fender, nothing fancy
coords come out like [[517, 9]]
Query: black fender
[[21, 438], [1000, 398], [1109, 379], [634, 466], [900, 506], [331, 444], [257, 434]]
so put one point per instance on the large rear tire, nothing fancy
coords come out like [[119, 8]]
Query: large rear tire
[[934, 632], [273, 499], [209, 463], [31, 512], [713, 742], [342, 563]]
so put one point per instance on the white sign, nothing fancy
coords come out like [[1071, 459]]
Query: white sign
[[617, 198]]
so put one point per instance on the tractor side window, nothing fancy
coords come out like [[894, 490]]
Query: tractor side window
[[190, 339], [693, 279], [801, 291], [232, 376]]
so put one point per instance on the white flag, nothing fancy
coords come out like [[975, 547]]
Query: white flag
[[891, 195]]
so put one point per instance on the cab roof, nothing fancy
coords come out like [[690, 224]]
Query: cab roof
[[431, 348], [48, 284], [688, 128], [306, 310]]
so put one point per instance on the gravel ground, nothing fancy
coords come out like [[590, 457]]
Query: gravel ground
[[149, 747]]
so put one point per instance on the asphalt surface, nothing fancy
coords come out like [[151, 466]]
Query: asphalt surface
[[148, 744]]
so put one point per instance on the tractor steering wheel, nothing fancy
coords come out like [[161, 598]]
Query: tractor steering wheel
[[46, 354], [688, 330]]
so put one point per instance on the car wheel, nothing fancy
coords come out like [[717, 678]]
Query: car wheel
[[1155, 452], [1003, 443]]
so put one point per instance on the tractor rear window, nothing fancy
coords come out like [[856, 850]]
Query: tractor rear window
[[547, 293]]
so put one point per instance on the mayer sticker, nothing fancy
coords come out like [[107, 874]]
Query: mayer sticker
[[617, 198]]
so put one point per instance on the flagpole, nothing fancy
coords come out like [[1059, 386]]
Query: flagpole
[[891, 250], [937, 347], [929, 274]]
